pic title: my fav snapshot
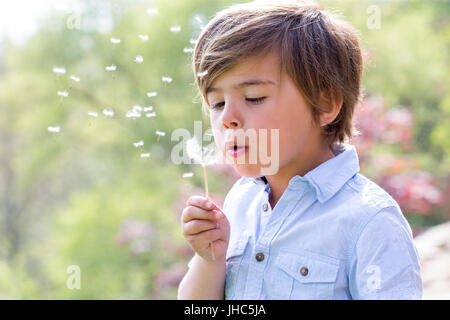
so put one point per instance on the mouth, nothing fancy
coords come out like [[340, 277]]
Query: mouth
[[235, 150]]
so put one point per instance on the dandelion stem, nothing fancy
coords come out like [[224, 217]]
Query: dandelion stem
[[213, 256]]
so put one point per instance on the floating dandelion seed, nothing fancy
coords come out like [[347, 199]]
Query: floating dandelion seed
[[93, 114], [152, 11], [202, 74], [205, 156], [133, 114], [192, 41], [160, 133], [146, 109], [145, 155], [54, 129], [152, 94], [115, 40], [188, 175], [138, 144], [137, 108], [111, 68], [151, 114], [143, 37], [74, 78], [138, 59], [175, 28], [108, 112], [166, 79], [188, 50], [63, 93], [59, 70]]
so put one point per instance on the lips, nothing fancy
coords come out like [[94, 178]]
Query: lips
[[231, 145]]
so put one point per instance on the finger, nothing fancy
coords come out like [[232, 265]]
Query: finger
[[203, 239], [201, 202], [190, 213], [196, 226]]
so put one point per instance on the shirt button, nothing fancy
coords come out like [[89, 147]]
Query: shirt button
[[259, 256], [304, 271], [265, 207]]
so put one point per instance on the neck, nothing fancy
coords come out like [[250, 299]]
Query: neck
[[279, 182]]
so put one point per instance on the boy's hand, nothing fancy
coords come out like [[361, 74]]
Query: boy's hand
[[202, 225]]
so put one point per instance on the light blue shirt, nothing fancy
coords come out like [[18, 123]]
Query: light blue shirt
[[334, 234]]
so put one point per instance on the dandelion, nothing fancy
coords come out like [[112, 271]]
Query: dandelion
[[139, 59], [111, 68], [188, 175], [59, 70], [152, 94], [202, 74], [63, 93], [151, 114], [74, 78], [175, 28], [205, 156], [160, 133], [143, 37], [188, 50], [93, 114], [115, 40], [152, 11], [55, 129], [146, 109], [138, 144], [145, 155], [108, 112], [166, 79]]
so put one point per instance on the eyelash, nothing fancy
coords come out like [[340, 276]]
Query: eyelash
[[252, 100]]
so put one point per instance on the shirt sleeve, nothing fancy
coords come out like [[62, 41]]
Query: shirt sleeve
[[384, 264]]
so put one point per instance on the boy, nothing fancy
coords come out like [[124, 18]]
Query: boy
[[316, 228]]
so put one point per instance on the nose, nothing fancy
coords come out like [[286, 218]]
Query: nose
[[231, 117]]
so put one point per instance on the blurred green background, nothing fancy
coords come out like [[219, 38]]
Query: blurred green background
[[84, 196]]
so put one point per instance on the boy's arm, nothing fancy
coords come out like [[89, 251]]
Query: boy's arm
[[384, 263], [205, 280]]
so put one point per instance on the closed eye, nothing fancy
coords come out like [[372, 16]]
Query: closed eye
[[251, 100]]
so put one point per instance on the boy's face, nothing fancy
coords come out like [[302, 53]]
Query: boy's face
[[255, 95]]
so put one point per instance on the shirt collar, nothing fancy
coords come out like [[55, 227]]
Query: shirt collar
[[329, 177]]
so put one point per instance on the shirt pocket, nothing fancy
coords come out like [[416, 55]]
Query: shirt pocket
[[235, 254], [306, 275]]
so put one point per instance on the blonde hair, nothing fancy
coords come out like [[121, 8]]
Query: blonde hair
[[319, 52]]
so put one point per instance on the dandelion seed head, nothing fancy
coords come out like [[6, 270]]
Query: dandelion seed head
[[205, 156]]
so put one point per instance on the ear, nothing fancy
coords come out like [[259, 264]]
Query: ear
[[330, 106]]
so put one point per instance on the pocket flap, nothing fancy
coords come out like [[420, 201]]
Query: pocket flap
[[308, 267]]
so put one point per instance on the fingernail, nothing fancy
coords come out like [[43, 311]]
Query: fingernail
[[219, 214], [209, 205]]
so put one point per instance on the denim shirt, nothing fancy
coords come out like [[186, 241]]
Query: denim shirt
[[334, 234]]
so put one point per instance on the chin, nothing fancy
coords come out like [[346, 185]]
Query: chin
[[249, 171]]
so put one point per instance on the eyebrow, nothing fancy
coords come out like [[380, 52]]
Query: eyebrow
[[246, 84]]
